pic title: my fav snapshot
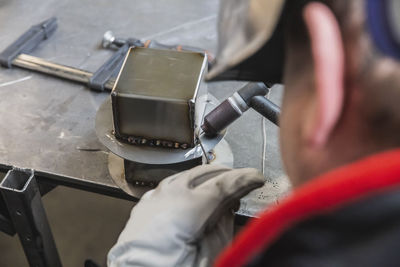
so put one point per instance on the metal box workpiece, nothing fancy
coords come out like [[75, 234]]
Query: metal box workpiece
[[153, 99]]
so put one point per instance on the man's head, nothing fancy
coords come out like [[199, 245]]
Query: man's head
[[341, 94], [341, 91]]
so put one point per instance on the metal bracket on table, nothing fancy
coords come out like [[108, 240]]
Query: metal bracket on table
[[22, 196]]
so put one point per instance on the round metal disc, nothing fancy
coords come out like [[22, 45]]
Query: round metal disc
[[222, 155], [145, 154]]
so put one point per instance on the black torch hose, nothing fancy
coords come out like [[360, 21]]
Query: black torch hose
[[266, 108]]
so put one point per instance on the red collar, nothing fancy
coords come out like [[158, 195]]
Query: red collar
[[330, 191]]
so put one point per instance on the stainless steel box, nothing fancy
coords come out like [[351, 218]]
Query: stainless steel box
[[154, 97]]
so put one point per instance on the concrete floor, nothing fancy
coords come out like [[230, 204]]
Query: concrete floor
[[85, 226]]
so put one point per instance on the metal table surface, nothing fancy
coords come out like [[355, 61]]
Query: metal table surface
[[48, 124]]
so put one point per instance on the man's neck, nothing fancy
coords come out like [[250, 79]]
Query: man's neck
[[343, 149]]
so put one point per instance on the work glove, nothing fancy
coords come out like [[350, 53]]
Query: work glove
[[186, 221]]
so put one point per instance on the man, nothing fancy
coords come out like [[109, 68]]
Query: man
[[339, 138]]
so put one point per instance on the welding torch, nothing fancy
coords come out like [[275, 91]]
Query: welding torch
[[251, 95]]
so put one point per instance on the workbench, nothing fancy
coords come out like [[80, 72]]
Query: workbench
[[48, 124]]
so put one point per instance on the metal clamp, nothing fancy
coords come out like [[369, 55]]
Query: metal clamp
[[99, 79], [28, 41]]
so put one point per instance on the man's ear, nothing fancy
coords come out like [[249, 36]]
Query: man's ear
[[328, 58]]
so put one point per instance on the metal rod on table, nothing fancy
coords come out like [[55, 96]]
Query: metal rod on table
[[57, 70]]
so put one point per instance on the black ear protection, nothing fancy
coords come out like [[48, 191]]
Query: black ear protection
[[384, 25]]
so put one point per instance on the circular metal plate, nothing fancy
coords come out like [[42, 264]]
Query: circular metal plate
[[223, 155], [144, 154]]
